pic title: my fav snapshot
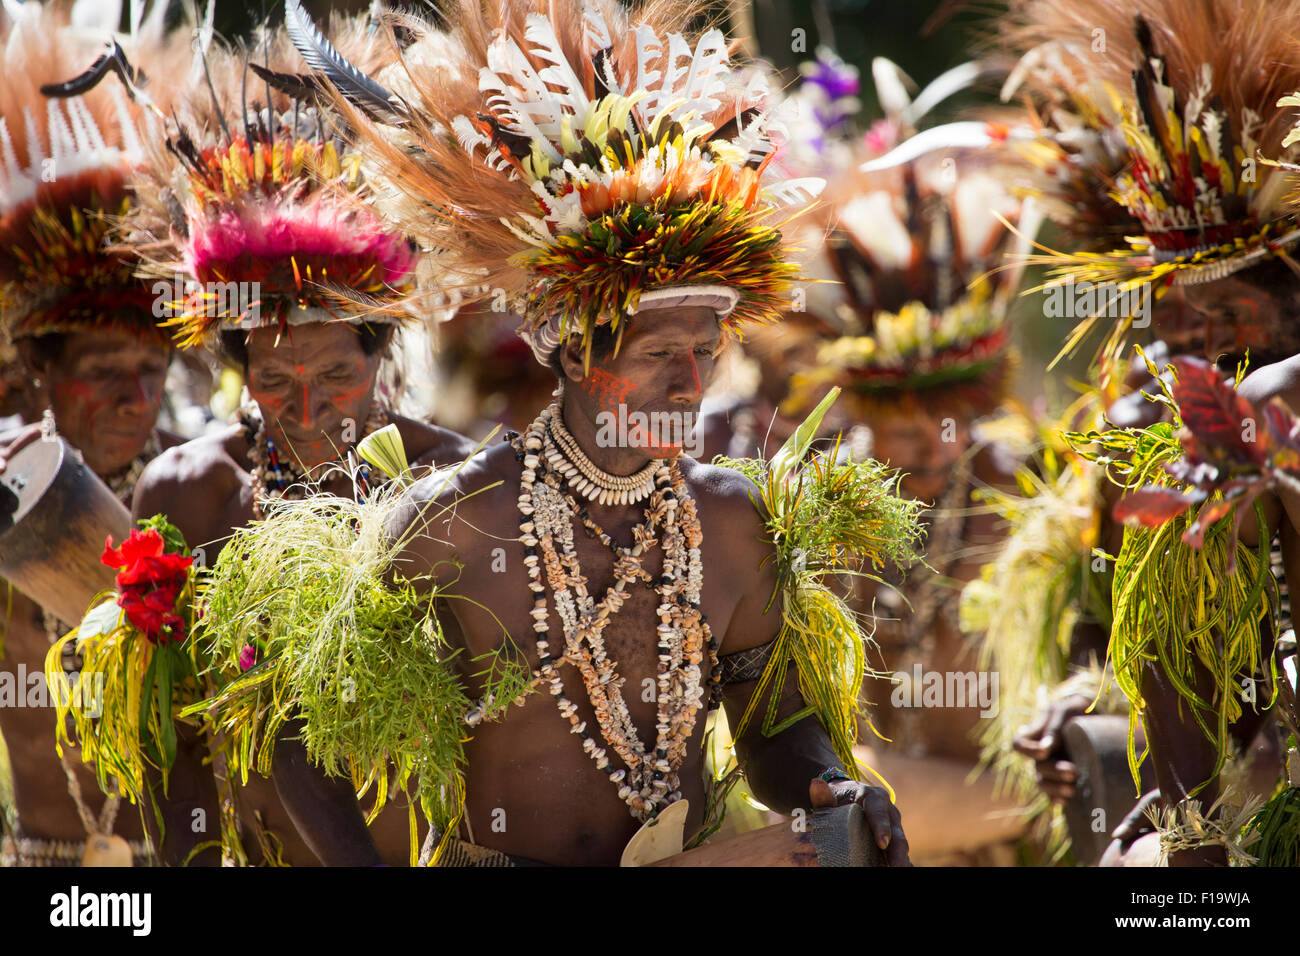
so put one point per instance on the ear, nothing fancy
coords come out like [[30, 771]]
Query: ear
[[32, 357], [571, 359]]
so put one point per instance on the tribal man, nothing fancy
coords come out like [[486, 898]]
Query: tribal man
[[95, 359], [271, 204], [675, 175], [1228, 289]]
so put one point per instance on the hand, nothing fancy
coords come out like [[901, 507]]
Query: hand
[[883, 818], [1042, 742], [14, 442]]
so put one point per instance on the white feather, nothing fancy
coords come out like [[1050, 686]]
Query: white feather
[[794, 192], [967, 134], [595, 30], [12, 170], [34, 154], [97, 16], [891, 87], [648, 50], [546, 46], [511, 68], [62, 145], [514, 113], [666, 95], [939, 89], [706, 78], [752, 139], [468, 136]]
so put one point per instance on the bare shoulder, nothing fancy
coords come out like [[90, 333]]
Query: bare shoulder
[[1279, 380], [450, 505], [201, 469], [728, 504]]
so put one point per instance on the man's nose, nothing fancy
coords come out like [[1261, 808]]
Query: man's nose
[[138, 394], [686, 384]]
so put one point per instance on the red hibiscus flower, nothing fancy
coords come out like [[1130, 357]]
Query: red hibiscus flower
[[149, 583]]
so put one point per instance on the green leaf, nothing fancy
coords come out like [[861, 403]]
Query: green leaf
[[796, 446], [163, 656], [384, 450], [146, 701]]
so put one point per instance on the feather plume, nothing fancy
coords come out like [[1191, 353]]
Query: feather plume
[[579, 132], [276, 198], [66, 161], [321, 55], [1158, 121]]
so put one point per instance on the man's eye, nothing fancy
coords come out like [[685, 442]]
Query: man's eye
[[704, 350]]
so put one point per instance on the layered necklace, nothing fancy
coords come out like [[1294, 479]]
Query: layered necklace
[[648, 779], [277, 476]]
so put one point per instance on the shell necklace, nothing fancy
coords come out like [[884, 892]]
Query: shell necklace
[[649, 779]]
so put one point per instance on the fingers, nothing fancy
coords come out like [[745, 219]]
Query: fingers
[[1027, 740], [898, 849], [1058, 779], [1039, 739], [877, 808]]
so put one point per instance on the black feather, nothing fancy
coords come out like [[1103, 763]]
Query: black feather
[[356, 87], [113, 61], [298, 86]]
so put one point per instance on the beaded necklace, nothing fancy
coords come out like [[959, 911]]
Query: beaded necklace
[[648, 781], [274, 476]]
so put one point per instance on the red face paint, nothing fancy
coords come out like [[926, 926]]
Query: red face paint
[[608, 389]]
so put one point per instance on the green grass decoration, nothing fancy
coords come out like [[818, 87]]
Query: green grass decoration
[[350, 646], [1178, 605], [826, 520], [1277, 826]]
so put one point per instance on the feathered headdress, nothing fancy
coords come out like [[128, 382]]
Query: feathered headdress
[[259, 214], [588, 162], [1169, 108], [919, 249], [64, 163]]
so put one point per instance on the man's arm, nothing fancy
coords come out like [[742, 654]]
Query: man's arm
[[784, 770]]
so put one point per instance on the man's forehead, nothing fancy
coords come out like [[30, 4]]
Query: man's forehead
[[305, 343], [693, 322]]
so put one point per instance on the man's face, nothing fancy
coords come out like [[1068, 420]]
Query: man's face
[[924, 444], [659, 375], [314, 388], [106, 389]]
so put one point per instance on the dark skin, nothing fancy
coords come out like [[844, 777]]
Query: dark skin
[[311, 386], [557, 807], [105, 389]]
